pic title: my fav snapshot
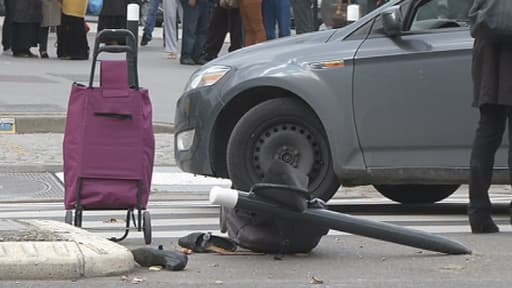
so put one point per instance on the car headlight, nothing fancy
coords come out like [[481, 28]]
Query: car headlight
[[207, 77]]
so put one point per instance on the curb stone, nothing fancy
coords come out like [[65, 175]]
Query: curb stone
[[56, 122], [69, 253]]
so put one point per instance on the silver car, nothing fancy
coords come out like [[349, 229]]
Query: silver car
[[384, 101]]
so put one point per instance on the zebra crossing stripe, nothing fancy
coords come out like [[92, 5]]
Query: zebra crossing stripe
[[168, 176], [429, 229], [174, 219]]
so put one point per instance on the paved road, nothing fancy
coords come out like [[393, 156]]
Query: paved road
[[340, 260]]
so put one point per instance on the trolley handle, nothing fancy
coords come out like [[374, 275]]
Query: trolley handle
[[115, 49], [131, 52]]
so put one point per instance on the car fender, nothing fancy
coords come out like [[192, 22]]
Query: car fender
[[335, 111]]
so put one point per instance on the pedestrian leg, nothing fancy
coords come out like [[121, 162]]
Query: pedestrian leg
[[217, 30], [43, 41], [150, 21], [487, 140], [171, 43], [269, 17], [235, 29], [283, 17], [303, 16]]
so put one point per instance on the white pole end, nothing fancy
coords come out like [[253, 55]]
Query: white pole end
[[224, 197]]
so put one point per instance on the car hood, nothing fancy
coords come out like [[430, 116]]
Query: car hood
[[274, 50]]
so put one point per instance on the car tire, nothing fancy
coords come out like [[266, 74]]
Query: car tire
[[286, 129], [416, 194]]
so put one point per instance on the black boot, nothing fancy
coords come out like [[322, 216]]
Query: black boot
[[170, 260], [482, 223], [206, 242]]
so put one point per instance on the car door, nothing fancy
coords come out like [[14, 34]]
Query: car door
[[412, 93]]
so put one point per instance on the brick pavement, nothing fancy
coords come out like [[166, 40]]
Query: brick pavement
[[46, 149]]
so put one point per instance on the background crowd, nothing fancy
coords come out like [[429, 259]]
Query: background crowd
[[205, 24]]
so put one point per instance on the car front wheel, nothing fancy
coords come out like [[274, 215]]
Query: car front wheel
[[284, 129], [416, 194]]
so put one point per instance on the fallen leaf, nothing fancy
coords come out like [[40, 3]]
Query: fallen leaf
[[113, 220], [316, 280], [155, 268], [452, 267], [137, 280]]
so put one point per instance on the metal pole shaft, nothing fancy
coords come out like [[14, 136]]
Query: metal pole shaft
[[132, 24], [347, 223]]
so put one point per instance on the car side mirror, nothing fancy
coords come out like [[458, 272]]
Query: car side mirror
[[392, 21]]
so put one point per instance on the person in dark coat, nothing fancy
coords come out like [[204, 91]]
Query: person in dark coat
[[72, 41], [25, 20], [7, 27], [492, 70], [113, 16]]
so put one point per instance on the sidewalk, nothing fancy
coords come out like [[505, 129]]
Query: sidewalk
[[38, 249], [31, 170]]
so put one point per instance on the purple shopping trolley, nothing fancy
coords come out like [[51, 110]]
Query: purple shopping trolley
[[109, 142]]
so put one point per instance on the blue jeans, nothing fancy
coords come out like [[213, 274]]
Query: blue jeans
[[149, 26], [195, 28], [276, 11]]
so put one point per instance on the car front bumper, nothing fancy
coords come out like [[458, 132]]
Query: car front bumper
[[196, 111]]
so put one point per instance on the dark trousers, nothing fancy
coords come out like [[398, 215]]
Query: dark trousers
[[7, 34], [223, 21], [43, 39], [72, 38], [489, 134], [303, 15], [24, 36], [195, 28], [7, 28], [276, 11]]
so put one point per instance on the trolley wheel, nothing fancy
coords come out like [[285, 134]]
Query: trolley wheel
[[78, 217], [68, 219], [146, 227]]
